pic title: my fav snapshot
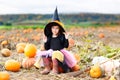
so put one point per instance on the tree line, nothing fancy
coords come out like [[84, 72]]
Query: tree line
[[65, 18]]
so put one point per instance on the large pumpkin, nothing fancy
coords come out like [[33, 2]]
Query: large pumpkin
[[4, 75], [30, 50], [6, 52], [12, 65], [95, 71], [28, 63]]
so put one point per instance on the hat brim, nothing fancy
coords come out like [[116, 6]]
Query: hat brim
[[47, 30]]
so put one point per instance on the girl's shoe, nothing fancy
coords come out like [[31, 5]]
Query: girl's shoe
[[45, 71], [53, 72]]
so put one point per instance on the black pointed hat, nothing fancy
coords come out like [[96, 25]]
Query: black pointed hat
[[55, 21], [55, 15]]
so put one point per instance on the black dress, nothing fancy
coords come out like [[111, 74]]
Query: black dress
[[58, 43]]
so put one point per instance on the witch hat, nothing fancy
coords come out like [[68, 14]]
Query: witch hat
[[55, 22], [55, 15]]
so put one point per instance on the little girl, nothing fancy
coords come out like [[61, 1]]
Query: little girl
[[56, 40]]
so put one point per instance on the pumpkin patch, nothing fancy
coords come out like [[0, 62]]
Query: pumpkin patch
[[84, 43]]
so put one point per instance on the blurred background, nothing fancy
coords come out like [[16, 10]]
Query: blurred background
[[37, 13], [93, 27]]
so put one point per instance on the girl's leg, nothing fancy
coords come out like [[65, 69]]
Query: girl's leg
[[59, 67], [55, 66], [47, 69], [64, 67], [69, 58]]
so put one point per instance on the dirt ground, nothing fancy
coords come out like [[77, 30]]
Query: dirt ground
[[14, 36]]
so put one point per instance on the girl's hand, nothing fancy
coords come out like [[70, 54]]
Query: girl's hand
[[66, 35], [44, 39]]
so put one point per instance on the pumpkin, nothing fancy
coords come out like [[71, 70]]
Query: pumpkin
[[20, 47], [71, 42], [28, 62], [58, 55], [101, 35], [36, 38], [4, 75], [5, 42], [21, 44], [86, 33], [2, 37], [76, 68], [77, 57], [30, 50], [95, 71], [12, 65], [6, 52]]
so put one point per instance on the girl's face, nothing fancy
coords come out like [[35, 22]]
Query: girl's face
[[55, 30]]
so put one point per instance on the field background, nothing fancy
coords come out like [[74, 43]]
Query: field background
[[85, 30]]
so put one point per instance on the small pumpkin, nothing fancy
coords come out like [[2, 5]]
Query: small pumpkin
[[4, 75], [30, 50], [76, 68], [12, 65], [28, 62], [5, 42], [2, 37], [20, 47], [85, 32], [95, 71], [5, 52], [71, 42], [21, 44], [101, 35]]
